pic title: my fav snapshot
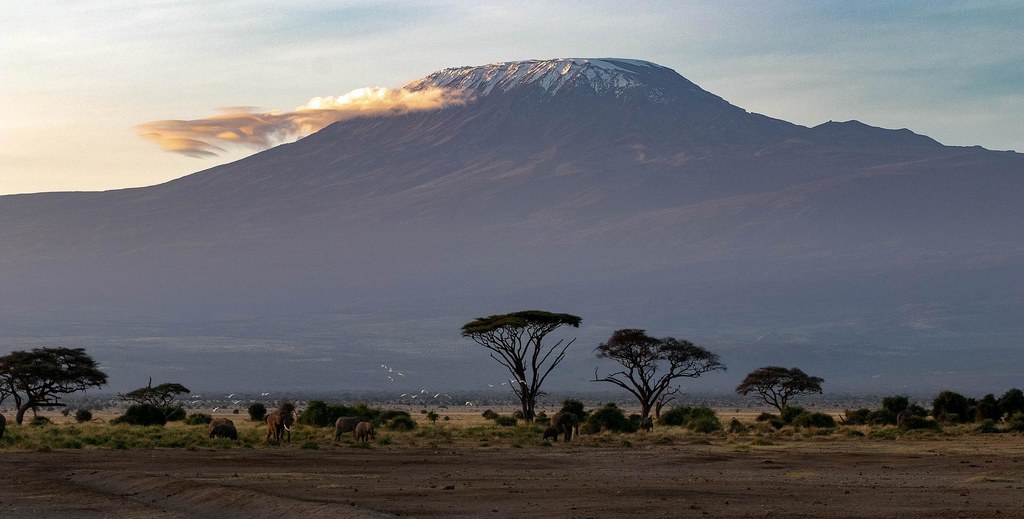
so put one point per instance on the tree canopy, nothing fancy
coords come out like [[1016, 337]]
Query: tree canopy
[[38, 377], [650, 364], [159, 396], [515, 340], [777, 385]]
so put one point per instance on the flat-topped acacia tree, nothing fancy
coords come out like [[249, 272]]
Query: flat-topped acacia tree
[[777, 385], [39, 377], [515, 340], [650, 364]]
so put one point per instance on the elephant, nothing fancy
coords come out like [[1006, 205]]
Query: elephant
[[551, 432], [647, 424], [364, 432], [223, 428], [3, 425], [280, 421], [566, 424], [346, 424]]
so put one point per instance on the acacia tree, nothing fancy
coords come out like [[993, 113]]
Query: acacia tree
[[777, 385], [516, 341], [37, 378], [159, 396], [651, 364]]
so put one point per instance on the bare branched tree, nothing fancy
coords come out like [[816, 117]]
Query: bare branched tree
[[516, 341], [650, 365]]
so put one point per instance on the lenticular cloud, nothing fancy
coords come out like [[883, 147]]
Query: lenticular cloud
[[208, 136]]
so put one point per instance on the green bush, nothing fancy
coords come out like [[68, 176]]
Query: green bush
[[39, 421], [571, 405], [951, 407], [895, 404], [257, 412], [790, 412], [1012, 402], [607, 418], [321, 414], [918, 422], [988, 426], [489, 414], [142, 414], [766, 417], [698, 418], [820, 420], [882, 417], [400, 423], [174, 414], [386, 416], [83, 415], [1015, 422], [856, 416], [198, 419], [505, 420]]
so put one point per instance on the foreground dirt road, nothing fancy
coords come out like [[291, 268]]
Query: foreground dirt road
[[977, 476]]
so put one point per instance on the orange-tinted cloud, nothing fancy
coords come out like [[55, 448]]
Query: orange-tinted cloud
[[245, 127]]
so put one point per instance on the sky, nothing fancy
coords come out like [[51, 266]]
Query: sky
[[82, 81]]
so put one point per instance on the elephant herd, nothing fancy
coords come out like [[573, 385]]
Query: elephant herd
[[280, 422]]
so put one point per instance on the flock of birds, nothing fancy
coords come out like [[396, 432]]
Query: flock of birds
[[390, 372]]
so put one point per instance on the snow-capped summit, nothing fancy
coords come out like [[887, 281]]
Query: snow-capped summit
[[601, 76]]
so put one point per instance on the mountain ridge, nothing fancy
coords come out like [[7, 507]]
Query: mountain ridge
[[684, 215]]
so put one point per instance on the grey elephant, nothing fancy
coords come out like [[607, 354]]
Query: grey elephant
[[566, 424], [223, 428], [346, 424], [3, 425], [551, 432], [364, 432]]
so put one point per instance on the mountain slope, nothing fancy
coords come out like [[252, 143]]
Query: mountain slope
[[615, 189]]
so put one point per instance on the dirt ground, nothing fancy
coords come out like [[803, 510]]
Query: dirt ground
[[968, 476]]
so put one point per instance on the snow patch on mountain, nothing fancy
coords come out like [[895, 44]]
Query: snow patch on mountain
[[602, 76]]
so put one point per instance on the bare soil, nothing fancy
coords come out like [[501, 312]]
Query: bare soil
[[968, 476]]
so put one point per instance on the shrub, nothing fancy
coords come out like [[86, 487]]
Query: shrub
[[198, 419], [856, 417], [401, 423], [895, 404], [321, 414], [766, 417], [918, 422], [174, 414], [257, 412], [790, 412], [1015, 422], [571, 405], [505, 420], [386, 416], [699, 418], [142, 414], [540, 417], [988, 409], [607, 418], [432, 416], [83, 415], [489, 414], [1012, 402], [951, 407], [39, 421], [820, 420], [883, 417], [518, 414], [987, 426]]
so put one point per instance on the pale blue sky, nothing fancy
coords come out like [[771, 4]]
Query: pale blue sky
[[77, 76]]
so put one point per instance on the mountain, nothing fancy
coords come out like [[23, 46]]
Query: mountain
[[613, 189]]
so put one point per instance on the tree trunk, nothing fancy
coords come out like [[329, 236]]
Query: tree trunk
[[645, 410], [20, 417]]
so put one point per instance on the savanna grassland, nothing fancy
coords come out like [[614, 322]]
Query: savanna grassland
[[469, 467]]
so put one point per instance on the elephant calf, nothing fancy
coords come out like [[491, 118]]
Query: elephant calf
[[364, 432], [346, 424], [551, 432], [3, 425]]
